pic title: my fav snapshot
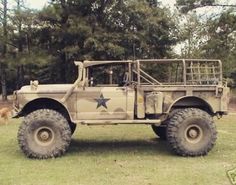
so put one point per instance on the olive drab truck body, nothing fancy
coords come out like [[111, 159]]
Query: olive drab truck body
[[150, 91]]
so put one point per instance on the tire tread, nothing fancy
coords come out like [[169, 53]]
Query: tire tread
[[174, 125], [53, 116]]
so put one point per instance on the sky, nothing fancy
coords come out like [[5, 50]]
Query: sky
[[35, 4], [205, 12], [38, 4]]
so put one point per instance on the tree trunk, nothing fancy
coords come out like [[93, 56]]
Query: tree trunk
[[3, 70], [20, 44], [3, 82], [17, 77]]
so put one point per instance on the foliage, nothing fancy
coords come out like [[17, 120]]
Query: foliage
[[189, 5], [214, 37], [71, 30], [106, 30], [222, 41], [43, 44]]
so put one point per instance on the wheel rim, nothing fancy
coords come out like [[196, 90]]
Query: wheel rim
[[193, 133], [44, 136]]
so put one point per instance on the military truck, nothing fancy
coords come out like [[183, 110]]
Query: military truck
[[178, 98]]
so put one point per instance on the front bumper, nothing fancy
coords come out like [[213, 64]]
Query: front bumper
[[15, 113]]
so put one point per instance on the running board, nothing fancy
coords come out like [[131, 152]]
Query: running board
[[116, 122]]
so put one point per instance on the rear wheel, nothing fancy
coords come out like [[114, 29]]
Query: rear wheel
[[191, 132], [44, 134], [160, 131]]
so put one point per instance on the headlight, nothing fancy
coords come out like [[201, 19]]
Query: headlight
[[14, 97], [220, 90]]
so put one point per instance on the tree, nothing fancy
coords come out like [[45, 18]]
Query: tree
[[221, 42], [4, 51], [104, 29], [43, 45], [189, 5], [192, 35], [23, 60], [217, 35]]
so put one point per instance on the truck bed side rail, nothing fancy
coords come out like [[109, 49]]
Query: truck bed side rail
[[183, 71]]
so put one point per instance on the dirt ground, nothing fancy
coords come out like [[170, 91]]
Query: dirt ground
[[232, 105], [5, 104]]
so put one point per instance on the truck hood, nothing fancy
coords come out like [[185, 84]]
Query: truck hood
[[49, 88]]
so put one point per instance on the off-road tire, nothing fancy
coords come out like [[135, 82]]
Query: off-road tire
[[191, 132], [160, 131], [72, 127], [43, 134]]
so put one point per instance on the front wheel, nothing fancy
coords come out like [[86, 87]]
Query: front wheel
[[72, 127], [44, 134], [191, 132]]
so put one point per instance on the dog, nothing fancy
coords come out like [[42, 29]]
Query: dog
[[5, 114]]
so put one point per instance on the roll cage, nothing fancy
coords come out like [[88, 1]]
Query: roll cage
[[163, 72]]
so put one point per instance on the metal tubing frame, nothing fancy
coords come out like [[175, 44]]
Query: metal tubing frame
[[160, 61]]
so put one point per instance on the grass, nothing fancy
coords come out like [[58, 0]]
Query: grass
[[233, 91], [118, 155]]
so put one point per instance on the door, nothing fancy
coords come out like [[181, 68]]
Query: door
[[105, 103]]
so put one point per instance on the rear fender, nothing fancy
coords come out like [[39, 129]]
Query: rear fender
[[191, 101]]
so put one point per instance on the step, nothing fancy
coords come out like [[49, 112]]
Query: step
[[115, 122]]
